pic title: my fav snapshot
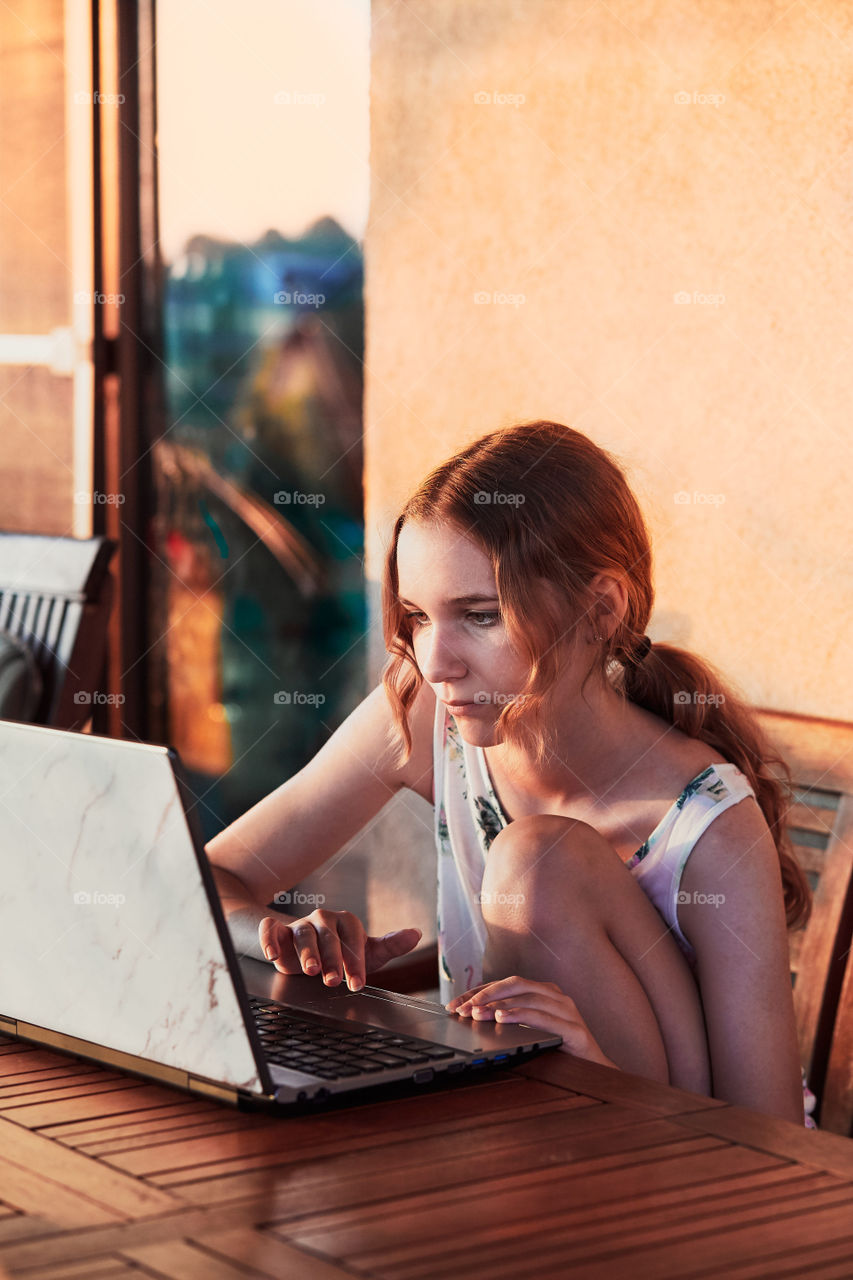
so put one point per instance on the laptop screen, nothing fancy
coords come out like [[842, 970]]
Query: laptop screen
[[106, 932]]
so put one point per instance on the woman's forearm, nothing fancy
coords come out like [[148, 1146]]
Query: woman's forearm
[[242, 913]]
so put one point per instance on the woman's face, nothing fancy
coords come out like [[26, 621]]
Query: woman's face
[[447, 588]]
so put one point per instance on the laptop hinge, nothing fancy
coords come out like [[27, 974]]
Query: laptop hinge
[[101, 1054], [220, 1092]]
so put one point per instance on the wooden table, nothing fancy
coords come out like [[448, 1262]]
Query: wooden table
[[557, 1167]]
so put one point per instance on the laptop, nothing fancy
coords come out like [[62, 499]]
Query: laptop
[[114, 947]]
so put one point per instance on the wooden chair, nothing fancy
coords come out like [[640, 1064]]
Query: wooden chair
[[836, 1110], [820, 756], [55, 596]]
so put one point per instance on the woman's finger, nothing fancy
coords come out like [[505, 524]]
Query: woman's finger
[[306, 946], [466, 995], [276, 943], [502, 987], [534, 1001]]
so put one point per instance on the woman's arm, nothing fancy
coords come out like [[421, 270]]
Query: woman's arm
[[306, 820], [731, 910]]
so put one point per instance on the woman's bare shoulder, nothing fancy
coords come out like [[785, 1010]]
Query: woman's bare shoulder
[[676, 759]]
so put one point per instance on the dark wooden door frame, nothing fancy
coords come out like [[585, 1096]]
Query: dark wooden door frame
[[128, 353]]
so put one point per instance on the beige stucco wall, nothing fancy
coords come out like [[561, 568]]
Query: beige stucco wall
[[593, 195]]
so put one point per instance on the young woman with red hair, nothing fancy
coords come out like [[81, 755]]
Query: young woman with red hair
[[612, 858]]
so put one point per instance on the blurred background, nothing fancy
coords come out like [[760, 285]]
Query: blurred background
[[225, 454]]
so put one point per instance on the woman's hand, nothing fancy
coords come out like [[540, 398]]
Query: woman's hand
[[333, 943], [534, 1004]]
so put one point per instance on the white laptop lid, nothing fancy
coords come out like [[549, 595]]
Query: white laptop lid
[[106, 931]]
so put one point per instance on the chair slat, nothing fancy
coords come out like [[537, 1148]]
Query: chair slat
[[812, 818], [55, 593]]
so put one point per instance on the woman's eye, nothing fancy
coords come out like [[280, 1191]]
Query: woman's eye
[[478, 618]]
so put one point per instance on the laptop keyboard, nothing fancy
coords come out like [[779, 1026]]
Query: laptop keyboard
[[292, 1038]]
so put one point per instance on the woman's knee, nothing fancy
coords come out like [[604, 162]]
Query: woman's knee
[[546, 852]]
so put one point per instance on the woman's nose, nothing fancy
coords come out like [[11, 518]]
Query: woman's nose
[[438, 659]]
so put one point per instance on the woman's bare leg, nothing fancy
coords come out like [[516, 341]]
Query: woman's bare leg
[[584, 923]]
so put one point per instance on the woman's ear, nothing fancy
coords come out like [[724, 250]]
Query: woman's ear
[[608, 603]]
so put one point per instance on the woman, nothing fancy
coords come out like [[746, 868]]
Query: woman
[[606, 820]]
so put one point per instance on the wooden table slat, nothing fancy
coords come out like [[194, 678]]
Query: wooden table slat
[[501, 1250], [227, 1255], [557, 1166], [152, 1117]]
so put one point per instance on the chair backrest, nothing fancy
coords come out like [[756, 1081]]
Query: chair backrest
[[820, 756], [836, 1110], [55, 596]]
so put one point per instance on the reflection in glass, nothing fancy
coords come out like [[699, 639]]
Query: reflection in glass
[[259, 513]]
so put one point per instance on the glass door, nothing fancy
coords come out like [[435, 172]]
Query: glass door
[[262, 145]]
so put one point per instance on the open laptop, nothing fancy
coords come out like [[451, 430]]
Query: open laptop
[[113, 946]]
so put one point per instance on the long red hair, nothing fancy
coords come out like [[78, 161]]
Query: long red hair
[[558, 507]]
